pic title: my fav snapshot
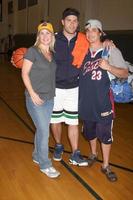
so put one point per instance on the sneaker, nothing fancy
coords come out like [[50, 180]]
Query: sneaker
[[92, 159], [59, 148], [51, 172], [35, 161], [111, 176], [77, 159]]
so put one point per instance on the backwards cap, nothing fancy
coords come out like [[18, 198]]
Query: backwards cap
[[94, 23], [46, 25], [70, 11]]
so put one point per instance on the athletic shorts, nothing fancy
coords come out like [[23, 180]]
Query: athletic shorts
[[65, 106], [102, 131]]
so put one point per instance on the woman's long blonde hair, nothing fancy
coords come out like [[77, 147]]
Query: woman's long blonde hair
[[51, 46]]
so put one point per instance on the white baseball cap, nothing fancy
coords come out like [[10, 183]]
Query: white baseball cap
[[94, 23]]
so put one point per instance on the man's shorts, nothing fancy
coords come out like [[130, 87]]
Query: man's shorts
[[100, 130], [65, 106]]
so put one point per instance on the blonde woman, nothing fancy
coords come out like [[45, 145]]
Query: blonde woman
[[38, 74]]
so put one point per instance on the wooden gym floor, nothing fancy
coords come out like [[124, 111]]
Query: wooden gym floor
[[20, 178]]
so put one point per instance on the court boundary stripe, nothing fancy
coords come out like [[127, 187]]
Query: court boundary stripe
[[32, 130], [75, 175], [83, 183], [52, 148], [16, 140], [20, 118], [112, 164]]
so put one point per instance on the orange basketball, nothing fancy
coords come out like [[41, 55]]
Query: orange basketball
[[18, 57]]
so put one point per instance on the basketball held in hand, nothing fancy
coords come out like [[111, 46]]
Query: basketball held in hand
[[18, 57]]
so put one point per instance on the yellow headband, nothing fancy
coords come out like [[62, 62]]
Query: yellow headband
[[46, 25]]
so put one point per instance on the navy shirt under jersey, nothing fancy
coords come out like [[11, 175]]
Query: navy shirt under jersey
[[66, 73], [94, 90]]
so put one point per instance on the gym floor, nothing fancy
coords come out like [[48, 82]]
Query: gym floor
[[21, 179]]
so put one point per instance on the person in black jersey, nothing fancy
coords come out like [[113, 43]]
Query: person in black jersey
[[95, 99]]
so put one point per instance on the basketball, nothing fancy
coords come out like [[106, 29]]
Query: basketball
[[18, 57]]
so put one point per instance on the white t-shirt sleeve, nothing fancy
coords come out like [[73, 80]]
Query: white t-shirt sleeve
[[116, 59]]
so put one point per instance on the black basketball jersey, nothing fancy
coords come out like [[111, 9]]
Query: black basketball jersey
[[94, 90]]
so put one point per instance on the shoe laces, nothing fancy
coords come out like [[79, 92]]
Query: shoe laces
[[78, 155], [52, 169], [59, 148]]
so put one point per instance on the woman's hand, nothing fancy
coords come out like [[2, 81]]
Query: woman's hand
[[12, 60], [36, 99]]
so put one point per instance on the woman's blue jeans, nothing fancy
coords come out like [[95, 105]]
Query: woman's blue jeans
[[41, 115]]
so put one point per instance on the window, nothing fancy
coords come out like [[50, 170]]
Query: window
[[32, 2], [10, 7], [0, 10], [21, 4]]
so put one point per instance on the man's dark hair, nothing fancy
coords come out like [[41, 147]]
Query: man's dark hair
[[70, 11]]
